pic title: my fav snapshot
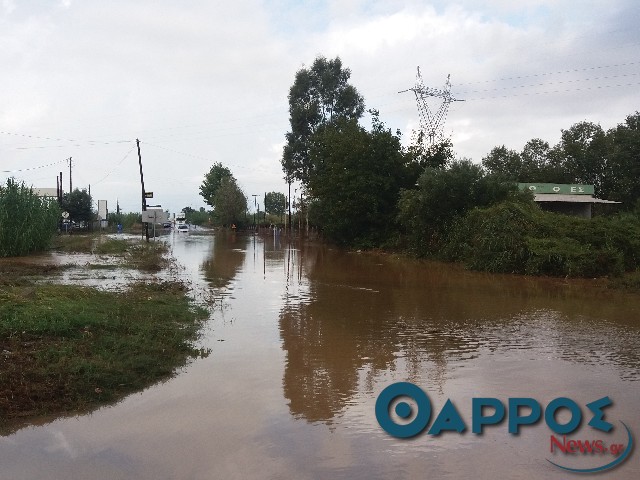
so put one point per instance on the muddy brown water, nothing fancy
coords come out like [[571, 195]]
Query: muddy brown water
[[304, 339]]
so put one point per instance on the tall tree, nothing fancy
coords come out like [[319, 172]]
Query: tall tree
[[319, 95], [275, 203], [583, 151], [357, 181], [504, 162], [212, 182], [79, 205], [230, 202], [623, 182]]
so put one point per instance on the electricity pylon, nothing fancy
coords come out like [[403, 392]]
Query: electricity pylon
[[431, 125]]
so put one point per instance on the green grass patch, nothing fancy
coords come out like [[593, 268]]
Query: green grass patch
[[111, 246], [68, 348], [73, 243], [138, 254]]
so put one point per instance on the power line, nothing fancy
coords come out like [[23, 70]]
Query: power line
[[553, 83], [569, 90], [116, 166], [34, 168], [199, 157], [545, 74], [78, 142]]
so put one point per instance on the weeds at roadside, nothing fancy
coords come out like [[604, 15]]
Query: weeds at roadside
[[69, 348]]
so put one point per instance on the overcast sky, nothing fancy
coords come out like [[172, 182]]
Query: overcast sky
[[202, 81]]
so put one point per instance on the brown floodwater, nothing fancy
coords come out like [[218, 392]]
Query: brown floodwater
[[304, 338]]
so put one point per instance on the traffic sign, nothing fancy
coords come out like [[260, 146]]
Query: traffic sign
[[148, 194]]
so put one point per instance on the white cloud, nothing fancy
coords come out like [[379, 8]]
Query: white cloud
[[8, 6]]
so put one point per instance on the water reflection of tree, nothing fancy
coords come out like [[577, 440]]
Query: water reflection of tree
[[359, 323], [225, 257], [364, 317]]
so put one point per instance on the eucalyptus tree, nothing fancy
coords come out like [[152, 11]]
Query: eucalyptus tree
[[320, 95]]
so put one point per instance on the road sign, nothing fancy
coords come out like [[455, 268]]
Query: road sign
[[154, 215], [148, 194], [558, 188], [65, 214]]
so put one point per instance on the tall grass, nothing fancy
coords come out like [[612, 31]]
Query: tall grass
[[27, 221]]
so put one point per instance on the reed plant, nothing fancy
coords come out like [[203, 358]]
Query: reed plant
[[27, 222]]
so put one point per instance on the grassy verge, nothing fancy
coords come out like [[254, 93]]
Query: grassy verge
[[145, 256], [68, 348]]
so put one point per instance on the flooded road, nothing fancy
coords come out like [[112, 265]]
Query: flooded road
[[304, 338]]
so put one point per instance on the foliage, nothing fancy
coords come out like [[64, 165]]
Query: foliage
[[27, 221], [586, 154], [442, 195], [357, 179], [518, 237], [79, 205], [583, 149], [127, 220], [197, 217], [623, 180], [212, 182], [275, 203], [319, 95], [436, 155], [230, 203]]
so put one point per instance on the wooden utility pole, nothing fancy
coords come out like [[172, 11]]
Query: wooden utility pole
[[70, 182], [144, 198]]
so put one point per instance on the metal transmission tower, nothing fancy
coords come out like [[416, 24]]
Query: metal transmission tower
[[431, 125]]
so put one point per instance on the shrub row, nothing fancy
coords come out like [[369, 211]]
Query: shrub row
[[518, 237]]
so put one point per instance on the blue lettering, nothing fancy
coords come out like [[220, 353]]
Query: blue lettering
[[550, 415], [447, 419], [515, 419], [598, 415], [478, 420]]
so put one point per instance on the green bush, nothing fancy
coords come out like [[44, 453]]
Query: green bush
[[518, 237], [426, 213], [569, 257], [492, 239], [27, 221]]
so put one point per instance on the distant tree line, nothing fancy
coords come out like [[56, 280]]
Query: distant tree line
[[586, 154]]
